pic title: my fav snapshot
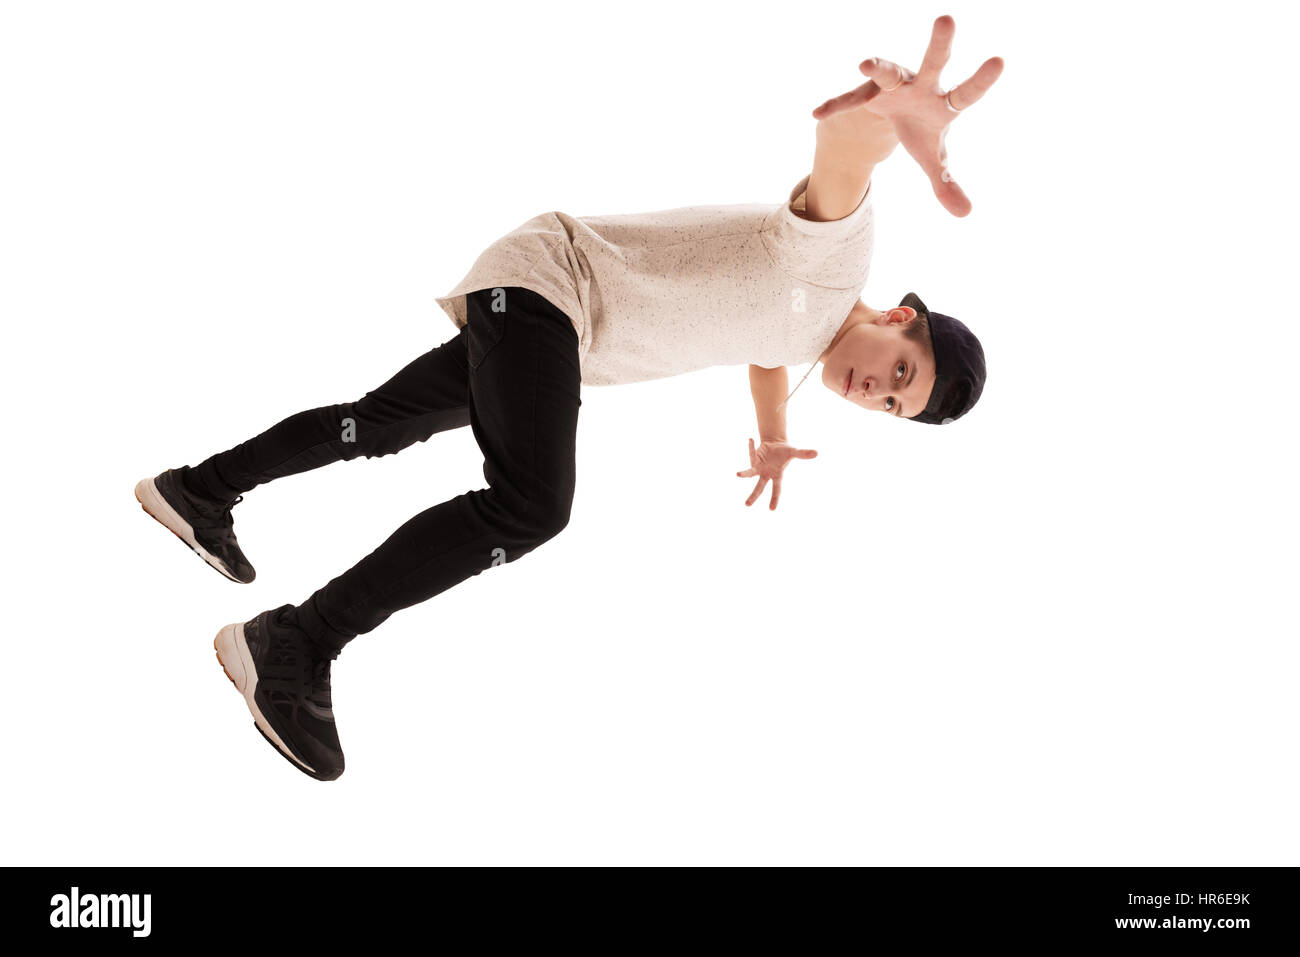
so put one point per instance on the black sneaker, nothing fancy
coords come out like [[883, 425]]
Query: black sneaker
[[286, 684], [203, 524]]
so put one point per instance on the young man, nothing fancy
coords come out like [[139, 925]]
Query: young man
[[564, 301]]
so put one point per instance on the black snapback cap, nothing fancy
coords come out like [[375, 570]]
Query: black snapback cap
[[958, 365]]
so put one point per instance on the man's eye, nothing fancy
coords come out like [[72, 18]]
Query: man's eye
[[902, 367], [889, 404]]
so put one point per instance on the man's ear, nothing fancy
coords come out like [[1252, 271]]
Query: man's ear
[[900, 314]]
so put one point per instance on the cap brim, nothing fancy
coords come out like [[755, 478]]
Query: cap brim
[[914, 301]]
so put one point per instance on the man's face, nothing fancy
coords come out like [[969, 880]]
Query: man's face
[[875, 366]]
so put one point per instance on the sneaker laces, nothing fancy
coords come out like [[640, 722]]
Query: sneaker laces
[[320, 684], [295, 667], [218, 522]]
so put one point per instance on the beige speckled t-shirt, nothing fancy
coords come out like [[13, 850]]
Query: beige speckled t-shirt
[[662, 293]]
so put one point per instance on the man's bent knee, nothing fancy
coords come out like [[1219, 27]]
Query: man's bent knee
[[552, 518], [374, 426], [537, 519]]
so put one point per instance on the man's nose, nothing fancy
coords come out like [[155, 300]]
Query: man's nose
[[873, 396]]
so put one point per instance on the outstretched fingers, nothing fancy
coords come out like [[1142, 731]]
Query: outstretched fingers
[[970, 91], [846, 101], [934, 163], [951, 196], [940, 48], [888, 75]]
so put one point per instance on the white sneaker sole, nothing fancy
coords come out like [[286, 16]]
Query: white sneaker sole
[[237, 662], [151, 500]]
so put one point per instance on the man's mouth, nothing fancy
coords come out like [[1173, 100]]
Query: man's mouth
[[848, 383]]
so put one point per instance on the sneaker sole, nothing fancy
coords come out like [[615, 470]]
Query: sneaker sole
[[237, 662], [156, 507]]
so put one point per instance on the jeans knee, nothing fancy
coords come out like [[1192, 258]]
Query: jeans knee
[[534, 520], [346, 419], [551, 517], [374, 426]]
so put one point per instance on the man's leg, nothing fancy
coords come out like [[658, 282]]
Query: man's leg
[[524, 385], [524, 395], [429, 395]]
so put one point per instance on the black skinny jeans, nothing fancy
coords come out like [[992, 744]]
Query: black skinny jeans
[[512, 375]]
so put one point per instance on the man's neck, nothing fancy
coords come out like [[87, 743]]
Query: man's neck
[[859, 314]]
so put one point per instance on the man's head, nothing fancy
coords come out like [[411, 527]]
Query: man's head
[[907, 362]]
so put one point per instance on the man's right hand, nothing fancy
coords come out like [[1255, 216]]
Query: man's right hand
[[768, 462], [919, 109]]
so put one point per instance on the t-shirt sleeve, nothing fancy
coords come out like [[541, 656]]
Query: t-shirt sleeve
[[835, 253]]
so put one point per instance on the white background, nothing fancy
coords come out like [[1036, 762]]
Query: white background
[[1060, 631]]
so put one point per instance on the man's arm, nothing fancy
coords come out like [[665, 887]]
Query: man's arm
[[769, 388], [919, 112], [767, 462], [849, 146]]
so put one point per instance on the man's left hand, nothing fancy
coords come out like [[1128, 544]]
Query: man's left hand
[[918, 107]]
